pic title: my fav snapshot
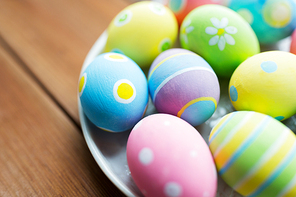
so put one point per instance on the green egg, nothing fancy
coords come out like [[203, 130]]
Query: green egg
[[221, 36]]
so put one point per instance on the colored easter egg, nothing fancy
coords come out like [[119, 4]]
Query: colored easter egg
[[220, 35], [182, 7], [272, 20], [142, 31], [255, 154], [183, 84], [266, 83], [168, 157], [113, 92], [293, 43]]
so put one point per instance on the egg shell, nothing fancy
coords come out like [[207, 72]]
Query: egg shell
[[113, 92], [220, 35], [255, 154], [266, 83], [293, 43], [182, 7], [272, 20], [183, 84], [142, 31], [168, 157]]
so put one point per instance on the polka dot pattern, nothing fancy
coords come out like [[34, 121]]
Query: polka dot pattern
[[161, 168], [233, 93], [167, 123], [124, 91], [172, 189], [146, 156], [82, 83], [115, 57], [269, 66], [157, 8], [123, 18], [165, 44], [279, 118]]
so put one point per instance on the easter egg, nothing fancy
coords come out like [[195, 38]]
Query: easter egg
[[293, 43], [266, 83], [168, 157], [272, 20], [182, 7], [183, 84], [255, 154], [142, 31], [113, 92], [220, 35]]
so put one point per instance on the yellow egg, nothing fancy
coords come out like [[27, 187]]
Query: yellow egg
[[266, 83], [142, 31]]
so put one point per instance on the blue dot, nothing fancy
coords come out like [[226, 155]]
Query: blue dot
[[117, 51], [269, 66], [279, 118], [233, 93]]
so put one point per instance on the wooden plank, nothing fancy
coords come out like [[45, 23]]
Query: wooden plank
[[42, 152], [53, 38]]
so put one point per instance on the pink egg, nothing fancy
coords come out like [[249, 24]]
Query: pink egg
[[293, 43], [168, 157], [182, 7]]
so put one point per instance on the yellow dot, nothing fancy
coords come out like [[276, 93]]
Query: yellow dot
[[220, 32], [125, 91], [81, 83], [117, 57]]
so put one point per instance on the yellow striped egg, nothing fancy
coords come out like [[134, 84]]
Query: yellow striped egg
[[255, 154], [266, 83]]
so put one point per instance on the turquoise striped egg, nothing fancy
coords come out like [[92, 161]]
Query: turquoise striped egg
[[255, 154], [113, 92], [183, 84]]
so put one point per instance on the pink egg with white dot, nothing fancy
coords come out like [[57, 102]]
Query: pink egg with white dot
[[168, 157]]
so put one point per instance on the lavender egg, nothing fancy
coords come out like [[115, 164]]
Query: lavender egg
[[183, 84]]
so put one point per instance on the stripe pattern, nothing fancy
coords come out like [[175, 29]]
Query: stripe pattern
[[255, 154]]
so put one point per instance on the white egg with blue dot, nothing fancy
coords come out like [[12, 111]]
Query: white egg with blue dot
[[113, 92]]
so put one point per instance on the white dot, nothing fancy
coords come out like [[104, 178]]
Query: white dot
[[167, 123], [206, 194], [172, 189], [146, 156], [193, 153]]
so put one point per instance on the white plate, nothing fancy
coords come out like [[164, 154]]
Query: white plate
[[109, 149]]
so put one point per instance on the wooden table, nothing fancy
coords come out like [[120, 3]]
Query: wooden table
[[42, 47]]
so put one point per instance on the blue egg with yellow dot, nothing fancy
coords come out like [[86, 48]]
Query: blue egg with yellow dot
[[113, 92], [271, 20]]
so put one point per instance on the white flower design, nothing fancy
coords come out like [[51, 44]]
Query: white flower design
[[186, 29], [222, 33]]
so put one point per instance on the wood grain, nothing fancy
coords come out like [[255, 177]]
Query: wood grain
[[42, 153], [53, 37]]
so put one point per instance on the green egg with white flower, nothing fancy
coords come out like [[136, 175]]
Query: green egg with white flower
[[220, 35]]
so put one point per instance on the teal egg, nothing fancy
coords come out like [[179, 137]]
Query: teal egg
[[271, 20]]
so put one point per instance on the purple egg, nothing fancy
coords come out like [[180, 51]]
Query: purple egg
[[183, 84]]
